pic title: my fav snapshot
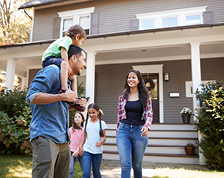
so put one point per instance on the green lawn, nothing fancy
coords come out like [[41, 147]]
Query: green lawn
[[20, 166]]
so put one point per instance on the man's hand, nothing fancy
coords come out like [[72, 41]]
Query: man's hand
[[70, 95], [81, 151], [81, 101]]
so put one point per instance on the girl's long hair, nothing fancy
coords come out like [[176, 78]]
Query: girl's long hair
[[74, 126], [96, 107], [142, 90]]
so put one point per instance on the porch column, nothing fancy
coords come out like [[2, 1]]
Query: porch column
[[10, 72], [90, 76], [196, 70], [196, 81]]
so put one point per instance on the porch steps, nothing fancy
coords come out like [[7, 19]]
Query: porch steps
[[166, 144]]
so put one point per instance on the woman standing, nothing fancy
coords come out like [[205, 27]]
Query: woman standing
[[133, 122]]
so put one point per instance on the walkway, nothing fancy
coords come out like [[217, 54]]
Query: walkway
[[112, 168]]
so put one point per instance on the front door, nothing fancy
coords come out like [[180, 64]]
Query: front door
[[152, 84]]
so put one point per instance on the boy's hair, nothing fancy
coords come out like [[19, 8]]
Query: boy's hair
[[75, 30], [74, 126], [74, 50], [96, 107]]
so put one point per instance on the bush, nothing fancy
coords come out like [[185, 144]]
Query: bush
[[13, 102], [15, 117], [210, 122]]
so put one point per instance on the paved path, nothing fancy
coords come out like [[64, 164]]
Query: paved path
[[112, 168]]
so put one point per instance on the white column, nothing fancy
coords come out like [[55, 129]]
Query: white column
[[196, 81], [10, 72], [90, 76], [195, 69]]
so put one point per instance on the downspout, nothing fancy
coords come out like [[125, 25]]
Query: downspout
[[27, 14]]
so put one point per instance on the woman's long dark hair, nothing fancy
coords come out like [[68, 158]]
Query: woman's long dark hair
[[142, 90], [74, 126], [96, 107]]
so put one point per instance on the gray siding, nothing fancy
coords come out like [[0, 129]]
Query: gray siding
[[115, 16], [32, 73], [110, 81]]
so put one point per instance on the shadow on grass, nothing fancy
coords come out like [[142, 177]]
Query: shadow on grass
[[15, 166]]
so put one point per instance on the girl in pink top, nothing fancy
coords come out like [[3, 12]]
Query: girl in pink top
[[76, 133]]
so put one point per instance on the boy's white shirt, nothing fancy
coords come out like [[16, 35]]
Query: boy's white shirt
[[93, 136]]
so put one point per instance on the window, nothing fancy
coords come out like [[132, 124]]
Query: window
[[80, 16], [170, 22], [173, 18], [147, 24]]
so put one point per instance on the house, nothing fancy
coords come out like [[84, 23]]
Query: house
[[176, 44]]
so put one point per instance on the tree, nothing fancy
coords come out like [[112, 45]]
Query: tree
[[14, 24]]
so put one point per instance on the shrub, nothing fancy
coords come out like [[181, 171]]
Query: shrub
[[15, 117], [210, 122]]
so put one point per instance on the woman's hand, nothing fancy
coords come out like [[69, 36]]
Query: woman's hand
[[144, 131]]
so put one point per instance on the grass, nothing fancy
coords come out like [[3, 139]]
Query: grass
[[20, 166]]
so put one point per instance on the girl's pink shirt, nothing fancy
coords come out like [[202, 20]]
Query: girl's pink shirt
[[76, 136]]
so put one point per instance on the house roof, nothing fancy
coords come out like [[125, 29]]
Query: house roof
[[36, 3], [119, 34]]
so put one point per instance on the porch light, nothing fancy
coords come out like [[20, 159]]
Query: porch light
[[166, 77]]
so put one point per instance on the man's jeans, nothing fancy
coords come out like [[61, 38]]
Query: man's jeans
[[95, 160], [131, 148], [72, 164]]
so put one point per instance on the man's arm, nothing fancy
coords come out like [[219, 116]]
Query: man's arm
[[46, 98]]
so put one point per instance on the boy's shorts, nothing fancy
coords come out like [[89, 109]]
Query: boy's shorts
[[52, 60]]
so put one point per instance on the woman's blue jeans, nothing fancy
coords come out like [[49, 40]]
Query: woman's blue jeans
[[95, 160], [72, 164], [131, 148]]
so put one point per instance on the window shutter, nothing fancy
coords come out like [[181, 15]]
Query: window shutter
[[56, 31], [208, 17], [94, 26], [134, 24]]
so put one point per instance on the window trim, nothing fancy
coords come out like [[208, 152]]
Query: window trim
[[179, 13], [75, 14]]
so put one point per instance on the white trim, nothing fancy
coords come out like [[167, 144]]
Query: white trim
[[74, 14], [155, 69], [179, 13], [189, 89]]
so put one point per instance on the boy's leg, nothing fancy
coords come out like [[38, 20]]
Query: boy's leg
[[64, 75], [74, 85], [45, 152]]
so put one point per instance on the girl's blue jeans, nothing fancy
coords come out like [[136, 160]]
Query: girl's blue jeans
[[131, 148], [72, 164], [94, 160]]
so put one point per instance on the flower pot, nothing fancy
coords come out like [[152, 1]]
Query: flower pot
[[189, 150], [186, 118]]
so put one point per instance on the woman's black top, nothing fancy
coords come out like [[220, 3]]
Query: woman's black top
[[134, 111]]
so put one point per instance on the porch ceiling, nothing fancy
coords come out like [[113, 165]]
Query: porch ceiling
[[140, 47]]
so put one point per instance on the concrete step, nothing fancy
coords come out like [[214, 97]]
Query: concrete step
[[163, 133], [158, 158], [163, 149], [161, 140], [162, 126]]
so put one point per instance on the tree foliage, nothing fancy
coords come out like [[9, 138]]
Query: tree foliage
[[14, 24], [210, 122]]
